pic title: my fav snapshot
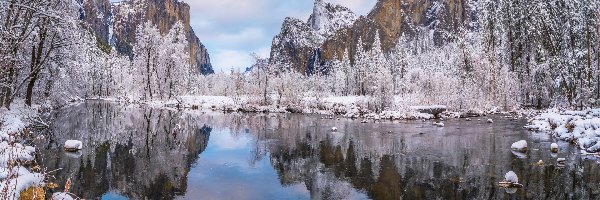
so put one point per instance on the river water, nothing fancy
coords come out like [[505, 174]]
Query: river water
[[136, 152]]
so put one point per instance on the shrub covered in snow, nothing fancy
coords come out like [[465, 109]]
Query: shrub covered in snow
[[15, 178]]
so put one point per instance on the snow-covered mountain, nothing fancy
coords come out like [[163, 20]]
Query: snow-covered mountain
[[298, 42], [327, 18], [332, 29], [115, 24]]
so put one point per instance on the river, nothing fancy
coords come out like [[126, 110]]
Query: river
[[137, 152]]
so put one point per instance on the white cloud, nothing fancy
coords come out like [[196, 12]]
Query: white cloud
[[226, 59]]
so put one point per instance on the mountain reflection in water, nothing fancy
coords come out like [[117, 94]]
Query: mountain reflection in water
[[138, 152]]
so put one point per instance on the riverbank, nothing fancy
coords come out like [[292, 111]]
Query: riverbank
[[341, 106], [581, 128], [17, 172]]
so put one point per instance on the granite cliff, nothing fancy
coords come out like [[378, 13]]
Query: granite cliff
[[305, 46], [115, 24]]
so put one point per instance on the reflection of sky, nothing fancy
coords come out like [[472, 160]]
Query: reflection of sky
[[224, 171], [225, 141], [113, 196]]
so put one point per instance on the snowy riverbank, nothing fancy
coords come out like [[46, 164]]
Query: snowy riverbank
[[349, 107], [578, 127], [16, 173], [342, 106]]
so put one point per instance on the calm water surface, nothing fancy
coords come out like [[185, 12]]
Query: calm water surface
[[135, 152]]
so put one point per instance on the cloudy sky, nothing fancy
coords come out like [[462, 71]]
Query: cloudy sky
[[232, 29]]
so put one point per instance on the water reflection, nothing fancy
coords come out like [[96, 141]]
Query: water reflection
[[130, 151], [142, 153]]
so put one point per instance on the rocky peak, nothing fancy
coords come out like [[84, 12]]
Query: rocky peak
[[298, 42], [327, 18]]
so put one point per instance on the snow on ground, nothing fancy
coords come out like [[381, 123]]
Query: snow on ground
[[15, 178], [579, 127], [345, 106], [348, 106]]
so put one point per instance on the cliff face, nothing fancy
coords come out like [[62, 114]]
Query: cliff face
[[392, 18], [123, 18], [297, 45], [96, 13]]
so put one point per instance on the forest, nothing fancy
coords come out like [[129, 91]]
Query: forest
[[509, 55]]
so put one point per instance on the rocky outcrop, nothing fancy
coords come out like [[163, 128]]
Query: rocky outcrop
[[298, 43], [119, 23], [392, 18]]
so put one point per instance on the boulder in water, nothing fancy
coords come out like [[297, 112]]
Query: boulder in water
[[554, 148], [73, 145], [520, 146]]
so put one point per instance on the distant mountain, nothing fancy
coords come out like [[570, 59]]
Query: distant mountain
[[332, 29], [115, 24], [394, 18], [298, 43]]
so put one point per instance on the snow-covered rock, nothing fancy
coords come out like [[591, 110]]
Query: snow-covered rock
[[334, 129], [511, 177], [490, 121], [580, 127], [30, 149], [73, 145], [520, 146], [61, 196], [327, 18], [439, 124], [561, 161], [554, 148]]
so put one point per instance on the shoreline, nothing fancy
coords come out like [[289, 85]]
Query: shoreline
[[355, 108]]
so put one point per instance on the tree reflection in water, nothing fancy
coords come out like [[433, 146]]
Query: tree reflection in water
[[148, 153]]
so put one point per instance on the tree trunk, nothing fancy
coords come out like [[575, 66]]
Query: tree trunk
[[30, 86]]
